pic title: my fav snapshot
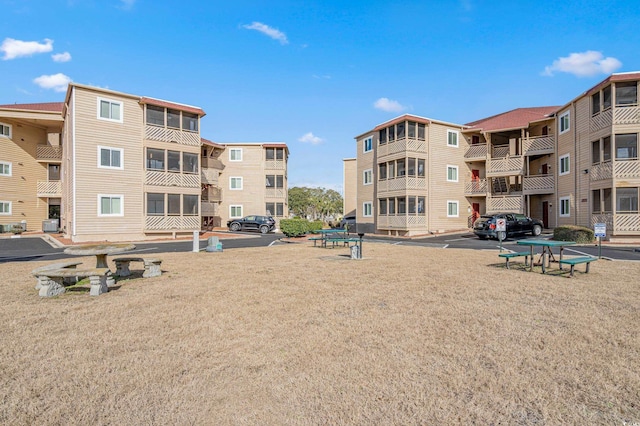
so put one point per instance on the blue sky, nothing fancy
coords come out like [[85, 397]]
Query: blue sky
[[314, 74]]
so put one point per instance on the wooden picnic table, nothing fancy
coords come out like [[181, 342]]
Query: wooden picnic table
[[546, 254]]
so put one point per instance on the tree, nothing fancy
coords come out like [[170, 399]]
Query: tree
[[314, 203]]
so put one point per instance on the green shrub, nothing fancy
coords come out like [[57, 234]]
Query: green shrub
[[294, 227], [316, 225], [579, 234]]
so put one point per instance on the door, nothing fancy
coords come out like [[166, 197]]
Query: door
[[475, 212], [545, 169], [475, 180], [545, 214]]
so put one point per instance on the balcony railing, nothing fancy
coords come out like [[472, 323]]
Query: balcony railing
[[401, 222], [211, 163], [402, 184], [209, 209], [402, 145], [172, 223], [619, 223], [210, 176], [507, 204], [539, 184], [275, 193], [476, 187], [626, 115], [49, 153], [601, 120], [505, 166], [49, 188], [476, 152], [211, 194], [538, 145], [172, 179], [275, 165], [163, 134], [620, 169]]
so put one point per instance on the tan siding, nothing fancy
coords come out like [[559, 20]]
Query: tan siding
[[365, 193], [349, 186], [582, 212], [566, 183]]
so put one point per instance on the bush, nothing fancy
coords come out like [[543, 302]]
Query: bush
[[294, 227], [316, 225], [579, 234]]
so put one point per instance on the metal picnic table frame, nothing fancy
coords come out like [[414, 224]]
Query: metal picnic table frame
[[546, 254]]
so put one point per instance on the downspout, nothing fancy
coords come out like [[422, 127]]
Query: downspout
[[73, 161]]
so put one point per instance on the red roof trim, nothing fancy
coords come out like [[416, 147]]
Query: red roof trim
[[45, 106], [166, 104]]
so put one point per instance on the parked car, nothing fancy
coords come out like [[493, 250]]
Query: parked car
[[348, 222], [263, 224], [485, 226]]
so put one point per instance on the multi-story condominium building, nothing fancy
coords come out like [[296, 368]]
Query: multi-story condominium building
[[510, 159], [349, 186], [30, 159], [409, 177], [252, 177]]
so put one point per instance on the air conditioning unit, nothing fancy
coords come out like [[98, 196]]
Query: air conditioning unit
[[50, 225]]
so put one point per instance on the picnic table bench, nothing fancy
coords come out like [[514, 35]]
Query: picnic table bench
[[59, 265], [52, 280], [576, 261], [345, 241], [151, 266], [508, 256]]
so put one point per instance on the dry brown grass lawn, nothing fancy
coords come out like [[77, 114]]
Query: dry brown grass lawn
[[299, 335]]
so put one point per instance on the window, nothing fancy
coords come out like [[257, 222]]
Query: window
[[155, 115], [382, 171], [383, 206], [109, 110], [5, 168], [189, 205], [565, 206], [5, 131], [173, 118], [275, 209], [452, 138], [53, 171], [110, 158], [155, 204], [595, 152], [189, 162], [606, 149], [626, 200], [402, 205], [235, 211], [189, 122], [564, 122], [412, 205], [421, 205], [173, 161], [392, 206], [421, 131], [367, 177], [5, 208], [595, 103], [235, 183], [382, 137], [452, 173], [627, 146], [626, 93], [274, 153], [400, 130], [367, 209], [420, 167], [452, 209], [274, 181], [110, 205], [400, 167], [235, 154], [173, 204], [564, 165], [411, 167], [155, 159], [606, 97], [368, 144], [596, 204]]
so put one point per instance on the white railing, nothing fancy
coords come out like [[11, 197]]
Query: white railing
[[508, 204], [478, 150], [171, 223], [540, 184], [601, 120], [506, 166], [402, 222], [626, 115], [538, 145], [172, 179], [48, 153], [49, 188], [402, 145], [478, 186], [275, 165], [626, 169], [402, 184], [626, 223], [164, 134], [275, 193]]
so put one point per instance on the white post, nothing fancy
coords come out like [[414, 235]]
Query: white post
[[196, 241]]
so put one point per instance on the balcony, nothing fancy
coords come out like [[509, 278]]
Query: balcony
[[476, 152], [275, 165], [275, 193], [210, 176], [402, 184], [49, 188], [211, 194], [182, 180], [172, 223], [619, 223], [538, 145], [505, 166], [401, 222], [49, 153], [505, 204], [616, 115], [476, 187], [402, 145], [211, 163], [619, 169], [209, 209], [538, 184], [164, 134]]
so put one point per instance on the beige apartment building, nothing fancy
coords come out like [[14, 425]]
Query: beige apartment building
[[410, 177], [349, 186]]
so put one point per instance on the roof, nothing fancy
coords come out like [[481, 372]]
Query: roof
[[518, 118], [46, 106], [408, 117], [211, 143], [173, 105]]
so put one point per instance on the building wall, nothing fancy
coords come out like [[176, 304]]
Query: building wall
[[366, 193], [349, 185], [565, 184], [582, 162]]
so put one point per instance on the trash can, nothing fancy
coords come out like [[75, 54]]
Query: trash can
[[355, 251]]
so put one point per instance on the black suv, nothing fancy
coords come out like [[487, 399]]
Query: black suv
[[263, 224], [485, 225]]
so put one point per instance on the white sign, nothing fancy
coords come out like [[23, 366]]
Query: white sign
[[600, 230], [501, 225]]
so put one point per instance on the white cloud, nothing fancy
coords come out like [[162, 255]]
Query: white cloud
[[268, 31], [61, 57], [310, 138], [386, 104], [57, 82], [13, 48], [585, 64]]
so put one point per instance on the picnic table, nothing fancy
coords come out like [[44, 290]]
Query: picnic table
[[100, 251], [547, 255], [329, 235]]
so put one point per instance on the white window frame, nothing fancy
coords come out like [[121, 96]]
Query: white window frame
[[457, 204], [565, 116], [231, 208], [453, 132], [367, 205], [101, 166], [231, 179], [111, 101], [232, 150], [101, 196], [8, 213], [451, 167], [562, 172], [6, 163], [366, 181], [561, 203], [2, 135], [367, 142]]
